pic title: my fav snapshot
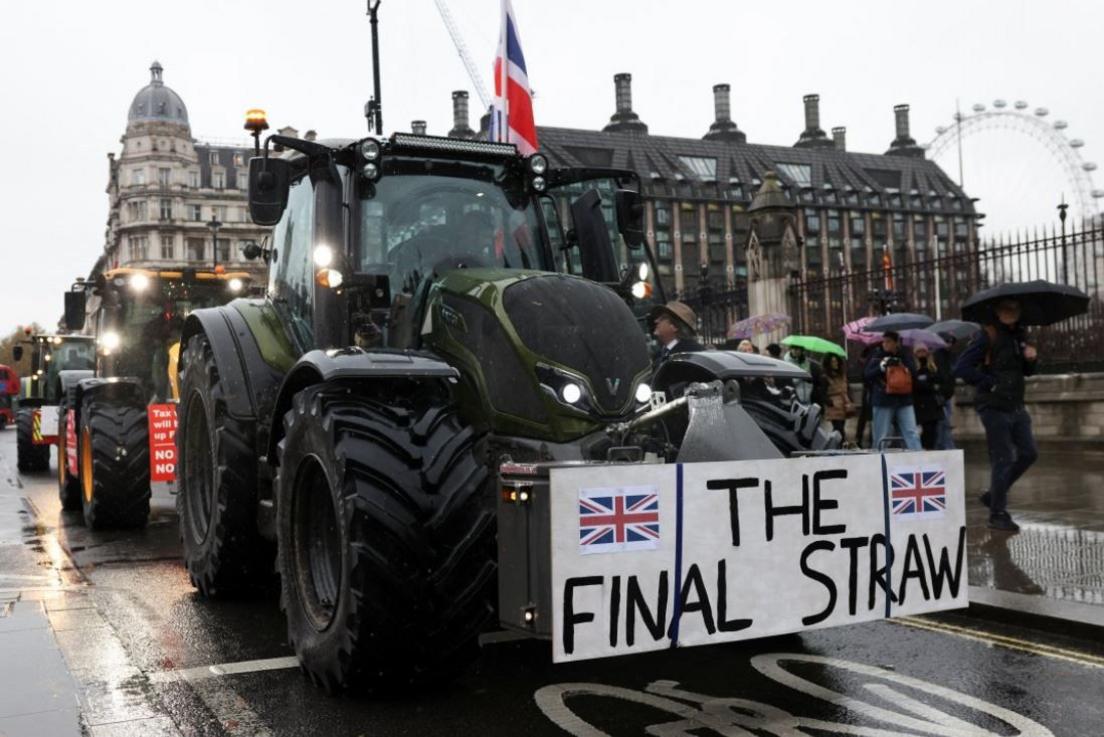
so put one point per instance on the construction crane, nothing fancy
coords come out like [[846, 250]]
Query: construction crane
[[465, 55]]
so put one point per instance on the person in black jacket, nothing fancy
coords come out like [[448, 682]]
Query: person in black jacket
[[927, 396], [673, 328], [890, 409], [995, 363]]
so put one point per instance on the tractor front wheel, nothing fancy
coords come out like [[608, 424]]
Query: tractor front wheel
[[217, 476], [114, 464], [386, 539]]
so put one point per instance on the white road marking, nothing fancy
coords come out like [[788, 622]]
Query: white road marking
[[199, 673]]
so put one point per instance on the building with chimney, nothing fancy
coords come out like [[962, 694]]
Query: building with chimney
[[853, 210], [165, 188]]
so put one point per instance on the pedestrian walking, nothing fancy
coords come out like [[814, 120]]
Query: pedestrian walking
[[996, 363], [673, 327], [812, 390], [927, 396], [890, 371], [839, 405], [944, 434]]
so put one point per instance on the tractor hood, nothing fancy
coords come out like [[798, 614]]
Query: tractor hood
[[530, 334]]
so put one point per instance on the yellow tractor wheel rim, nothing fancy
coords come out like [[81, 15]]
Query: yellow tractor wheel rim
[[86, 463]]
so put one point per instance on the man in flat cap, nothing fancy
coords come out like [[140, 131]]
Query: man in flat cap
[[673, 327]]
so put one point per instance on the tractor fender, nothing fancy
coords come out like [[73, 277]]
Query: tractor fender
[[251, 354], [120, 388], [72, 377], [353, 364], [707, 366]]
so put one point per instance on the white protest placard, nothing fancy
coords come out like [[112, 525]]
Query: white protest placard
[[658, 556]]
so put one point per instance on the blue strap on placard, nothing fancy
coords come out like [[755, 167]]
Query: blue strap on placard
[[676, 614], [888, 542]]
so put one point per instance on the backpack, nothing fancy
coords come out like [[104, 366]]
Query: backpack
[[898, 379]]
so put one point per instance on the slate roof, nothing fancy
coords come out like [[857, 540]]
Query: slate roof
[[740, 166]]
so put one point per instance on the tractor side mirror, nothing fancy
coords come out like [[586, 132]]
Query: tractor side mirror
[[17, 353], [630, 217], [269, 181], [74, 310], [593, 237]]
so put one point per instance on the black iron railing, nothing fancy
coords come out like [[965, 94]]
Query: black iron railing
[[939, 285]]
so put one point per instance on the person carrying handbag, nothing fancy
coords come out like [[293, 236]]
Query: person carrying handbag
[[839, 405], [890, 372]]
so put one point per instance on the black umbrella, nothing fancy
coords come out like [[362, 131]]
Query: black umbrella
[[897, 321], [958, 329], [1041, 302]]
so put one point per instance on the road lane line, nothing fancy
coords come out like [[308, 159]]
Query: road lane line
[[1012, 643], [202, 672]]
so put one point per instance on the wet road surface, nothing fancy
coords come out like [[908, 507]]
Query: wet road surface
[[152, 658]]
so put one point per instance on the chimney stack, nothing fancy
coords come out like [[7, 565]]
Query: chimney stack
[[624, 120], [812, 136], [839, 137], [460, 125], [418, 127], [723, 129], [903, 144]]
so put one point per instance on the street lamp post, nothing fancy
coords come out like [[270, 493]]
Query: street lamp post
[[214, 225], [1062, 207]]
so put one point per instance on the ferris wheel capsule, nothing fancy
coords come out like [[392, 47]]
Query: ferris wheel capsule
[[1042, 112], [1060, 125], [1020, 105], [1098, 193], [1089, 166], [999, 104], [1076, 143], [940, 129], [979, 108]]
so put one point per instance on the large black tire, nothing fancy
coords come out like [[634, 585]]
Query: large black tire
[[792, 429], [28, 456], [217, 483], [386, 539], [69, 488], [114, 463]]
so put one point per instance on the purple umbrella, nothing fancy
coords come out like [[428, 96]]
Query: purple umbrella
[[757, 325], [921, 337]]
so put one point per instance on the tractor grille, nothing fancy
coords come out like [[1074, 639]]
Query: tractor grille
[[511, 386], [584, 326]]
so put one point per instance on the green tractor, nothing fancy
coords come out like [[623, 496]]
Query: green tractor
[[433, 316], [111, 417], [55, 362]]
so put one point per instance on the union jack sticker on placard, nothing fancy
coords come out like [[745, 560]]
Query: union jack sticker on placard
[[618, 518], [918, 493]]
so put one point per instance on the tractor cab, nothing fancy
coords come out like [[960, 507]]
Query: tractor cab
[[135, 317]]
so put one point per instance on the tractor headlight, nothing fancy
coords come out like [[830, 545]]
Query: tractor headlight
[[139, 282], [110, 340], [538, 164], [323, 256], [539, 184], [370, 170], [640, 290], [235, 285], [643, 393], [571, 393], [370, 150], [642, 271]]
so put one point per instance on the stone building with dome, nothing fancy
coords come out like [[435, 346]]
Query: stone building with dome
[[165, 188]]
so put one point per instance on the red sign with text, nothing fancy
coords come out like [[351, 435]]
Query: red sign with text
[[162, 442]]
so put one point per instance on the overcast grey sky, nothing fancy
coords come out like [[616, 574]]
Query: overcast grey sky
[[68, 71]]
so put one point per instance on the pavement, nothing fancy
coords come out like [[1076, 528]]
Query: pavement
[[102, 635]]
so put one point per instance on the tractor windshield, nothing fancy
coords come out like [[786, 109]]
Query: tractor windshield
[[147, 326], [67, 354], [415, 225]]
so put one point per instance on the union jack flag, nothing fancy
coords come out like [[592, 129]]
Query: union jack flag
[[616, 519], [512, 113], [918, 493]]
